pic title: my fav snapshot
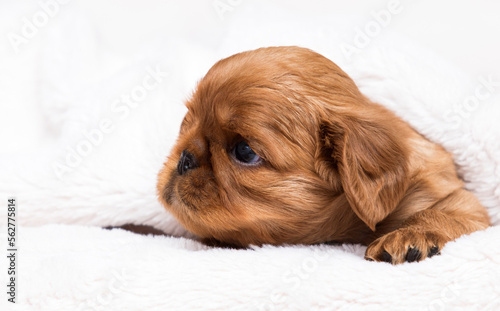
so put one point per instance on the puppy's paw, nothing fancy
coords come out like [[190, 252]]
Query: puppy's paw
[[405, 245]]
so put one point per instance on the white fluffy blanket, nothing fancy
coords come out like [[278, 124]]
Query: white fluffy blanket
[[107, 120], [86, 268]]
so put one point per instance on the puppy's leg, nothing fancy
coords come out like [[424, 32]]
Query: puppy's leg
[[426, 232], [211, 242]]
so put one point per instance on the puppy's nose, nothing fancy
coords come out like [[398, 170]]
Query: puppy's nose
[[186, 163]]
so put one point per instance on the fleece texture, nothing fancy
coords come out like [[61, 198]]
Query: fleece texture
[[72, 267]]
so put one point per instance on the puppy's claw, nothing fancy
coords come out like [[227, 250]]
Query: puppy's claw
[[386, 257], [434, 251], [413, 254]]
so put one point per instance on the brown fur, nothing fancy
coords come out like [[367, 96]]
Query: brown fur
[[337, 167]]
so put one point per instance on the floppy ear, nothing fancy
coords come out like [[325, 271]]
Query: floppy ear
[[370, 159]]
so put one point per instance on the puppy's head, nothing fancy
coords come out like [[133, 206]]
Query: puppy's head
[[279, 146]]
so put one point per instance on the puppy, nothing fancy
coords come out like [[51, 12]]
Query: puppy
[[280, 147]]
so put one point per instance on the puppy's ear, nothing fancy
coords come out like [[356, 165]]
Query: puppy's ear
[[368, 160]]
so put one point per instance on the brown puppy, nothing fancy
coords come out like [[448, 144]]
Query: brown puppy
[[279, 146]]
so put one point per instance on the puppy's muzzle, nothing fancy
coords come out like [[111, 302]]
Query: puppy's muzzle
[[186, 163]]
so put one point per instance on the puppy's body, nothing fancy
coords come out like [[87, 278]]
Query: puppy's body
[[279, 146]]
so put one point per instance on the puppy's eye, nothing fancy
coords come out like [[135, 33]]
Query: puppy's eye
[[245, 154]]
